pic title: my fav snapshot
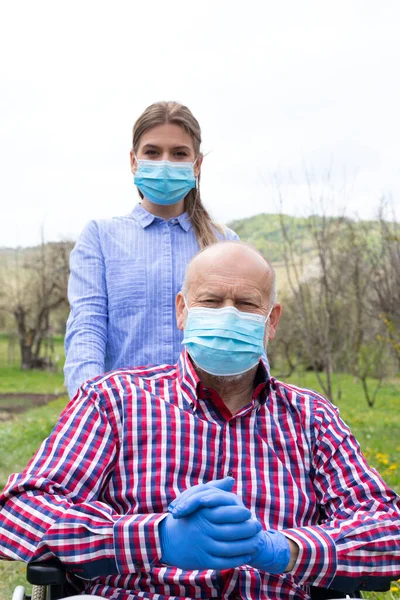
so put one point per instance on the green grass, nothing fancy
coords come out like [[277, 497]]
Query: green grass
[[36, 382], [11, 575], [19, 440], [22, 435], [377, 430]]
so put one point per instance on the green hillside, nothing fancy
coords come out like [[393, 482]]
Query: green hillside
[[265, 232]]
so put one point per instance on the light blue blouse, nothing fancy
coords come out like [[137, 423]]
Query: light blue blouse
[[125, 274]]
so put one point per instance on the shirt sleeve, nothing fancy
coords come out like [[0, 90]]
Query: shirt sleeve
[[54, 507], [230, 234], [86, 332], [359, 534]]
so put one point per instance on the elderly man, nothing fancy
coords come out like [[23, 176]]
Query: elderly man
[[209, 478]]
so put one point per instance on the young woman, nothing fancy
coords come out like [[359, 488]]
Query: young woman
[[126, 271]]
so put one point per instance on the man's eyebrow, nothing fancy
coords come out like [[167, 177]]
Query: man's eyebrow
[[208, 293], [249, 298]]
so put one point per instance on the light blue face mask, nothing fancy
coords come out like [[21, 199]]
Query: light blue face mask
[[164, 182], [224, 341]]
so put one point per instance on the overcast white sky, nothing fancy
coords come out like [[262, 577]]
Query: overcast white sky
[[278, 88]]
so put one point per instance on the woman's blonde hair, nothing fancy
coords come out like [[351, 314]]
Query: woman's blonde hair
[[178, 114]]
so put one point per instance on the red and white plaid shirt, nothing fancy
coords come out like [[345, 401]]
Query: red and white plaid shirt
[[132, 440]]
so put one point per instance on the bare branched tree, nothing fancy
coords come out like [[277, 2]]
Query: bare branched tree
[[33, 288], [314, 285], [385, 281], [329, 268]]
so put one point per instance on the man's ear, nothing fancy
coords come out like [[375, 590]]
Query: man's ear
[[133, 162], [274, 320], [180, 311]]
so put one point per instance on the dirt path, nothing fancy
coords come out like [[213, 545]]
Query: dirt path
[[11, 404]]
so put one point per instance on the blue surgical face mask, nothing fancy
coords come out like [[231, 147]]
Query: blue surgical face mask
[[224, 341], [164, 182]]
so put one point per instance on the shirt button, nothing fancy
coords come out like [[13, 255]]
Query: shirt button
[[230, 474]]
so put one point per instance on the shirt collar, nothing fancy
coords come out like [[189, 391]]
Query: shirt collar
[[144, 218], [190, 383], [262, 381], [188, 378], [184, 221]]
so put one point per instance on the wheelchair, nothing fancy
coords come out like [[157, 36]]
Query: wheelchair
[[48, 580]]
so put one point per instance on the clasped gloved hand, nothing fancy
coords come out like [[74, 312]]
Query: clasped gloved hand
[[205, 495], [272, 553], [213, 530]]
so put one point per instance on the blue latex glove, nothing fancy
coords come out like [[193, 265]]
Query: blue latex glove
[[221, 536], [193, 498], [217, 492], [274, 554]]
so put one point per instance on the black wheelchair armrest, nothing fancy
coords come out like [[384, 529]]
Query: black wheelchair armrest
[[341, 586], [46, 573], [52, 573], [367, 583]]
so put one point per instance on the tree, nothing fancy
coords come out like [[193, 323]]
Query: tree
[[385, 281], [33, 288], [314, 286], [334, 302]]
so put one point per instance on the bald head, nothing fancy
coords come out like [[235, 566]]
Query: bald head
[[235, 261], [230, 274]]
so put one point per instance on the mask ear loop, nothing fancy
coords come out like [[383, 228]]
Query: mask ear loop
[[196, 176], [137, 161], [269, 314], [186, 306]]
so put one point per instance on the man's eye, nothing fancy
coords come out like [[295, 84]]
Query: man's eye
[[181, 154], [151, 152]]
